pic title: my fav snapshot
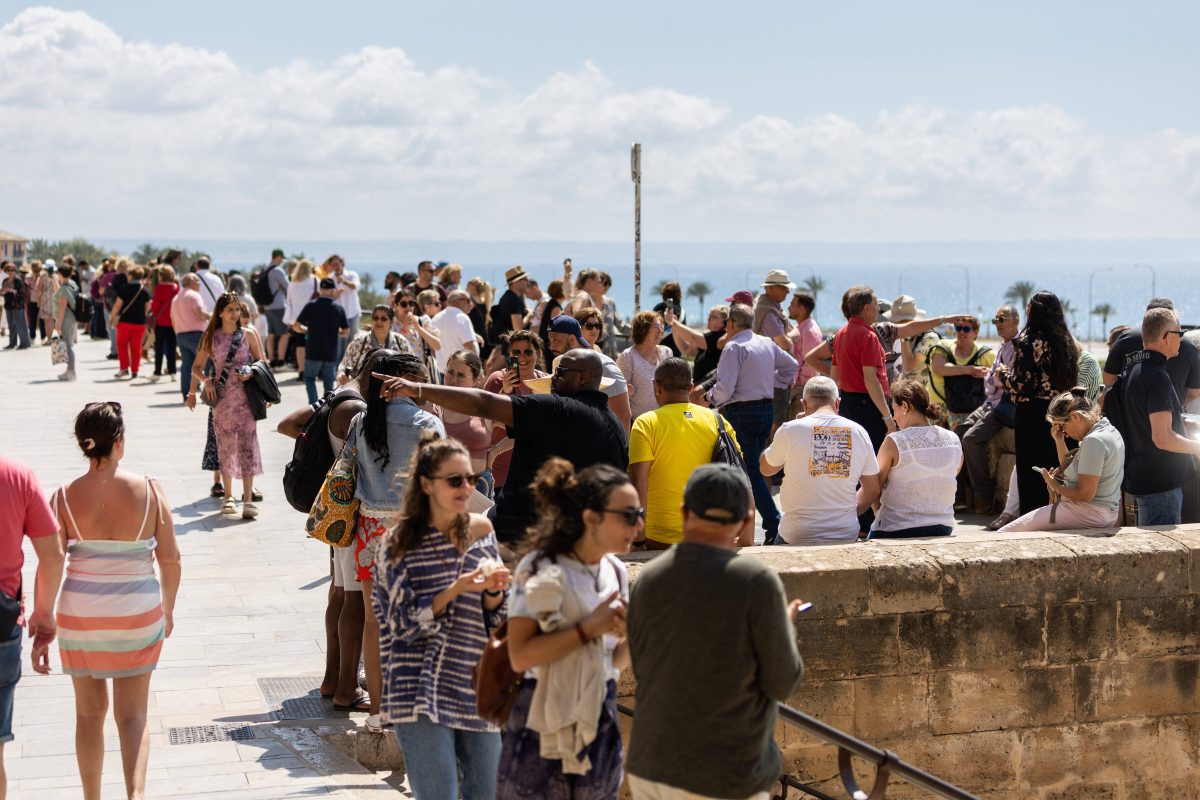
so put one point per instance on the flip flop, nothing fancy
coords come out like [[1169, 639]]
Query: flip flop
[[361, 703]]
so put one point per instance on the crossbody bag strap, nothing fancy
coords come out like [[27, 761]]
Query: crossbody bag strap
[[234, 344], [124, 309]]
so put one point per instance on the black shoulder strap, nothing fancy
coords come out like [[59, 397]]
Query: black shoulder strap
[[977, 354], [234, 344]]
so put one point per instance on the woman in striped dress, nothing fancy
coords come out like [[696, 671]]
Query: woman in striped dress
[[112, 614], [439, 591]]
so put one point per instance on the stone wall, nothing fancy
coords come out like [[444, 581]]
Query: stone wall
[[1040, 666]]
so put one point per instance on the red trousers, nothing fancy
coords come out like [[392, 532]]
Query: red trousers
[[129, 345]]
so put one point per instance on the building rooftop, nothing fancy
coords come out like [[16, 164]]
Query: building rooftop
[[5, 236]]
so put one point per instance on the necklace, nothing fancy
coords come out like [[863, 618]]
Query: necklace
[[594, 575]]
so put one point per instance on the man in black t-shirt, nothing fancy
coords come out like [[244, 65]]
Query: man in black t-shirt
[[323, 322], [509, 313], [1159, 458], [574, 423], [1184, 368]]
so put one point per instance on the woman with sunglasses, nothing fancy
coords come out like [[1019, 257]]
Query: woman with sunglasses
[[522, 353], [592, 322], [114, 613], [416, 327], [382, 441], [232, 345], [379, 335], [439, 592], [639, 361], [463, 371], [566, 631], [957, 370]]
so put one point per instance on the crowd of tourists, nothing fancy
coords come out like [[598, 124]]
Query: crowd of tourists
[[505, 449]]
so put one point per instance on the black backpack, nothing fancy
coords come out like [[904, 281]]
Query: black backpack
[[312, 455], [260, 287], [964, 394]]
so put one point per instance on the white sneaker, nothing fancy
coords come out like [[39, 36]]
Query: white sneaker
[[249, 511], [69, 375], [228, 508], [122, 375], [153, 378]]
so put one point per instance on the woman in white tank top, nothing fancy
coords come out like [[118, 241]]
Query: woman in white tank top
[[918, 467]]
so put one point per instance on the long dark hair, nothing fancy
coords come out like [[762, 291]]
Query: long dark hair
[[214, 322], [562, 497], [390, 363], [1047, 322], [410, 531]]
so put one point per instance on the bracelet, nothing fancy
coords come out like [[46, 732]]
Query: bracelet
[[583, 637], [418, 391]]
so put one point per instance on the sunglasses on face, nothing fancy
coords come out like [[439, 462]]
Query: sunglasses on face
[[999, 320], [407, 304], [594, 326], [963, 328], [629, 516], [381, 319], [1177, 333], [560, 371], [519, 353], [456, 480]]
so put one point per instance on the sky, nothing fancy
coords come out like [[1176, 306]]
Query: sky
[[787, 121]]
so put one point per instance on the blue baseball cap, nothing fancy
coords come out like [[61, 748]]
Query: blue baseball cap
[[564, 323]]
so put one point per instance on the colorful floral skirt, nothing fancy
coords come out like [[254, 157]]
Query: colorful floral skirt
[[368, 535], [525, 775]]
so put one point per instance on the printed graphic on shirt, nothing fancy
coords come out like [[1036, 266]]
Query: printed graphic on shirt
[[831, 450]]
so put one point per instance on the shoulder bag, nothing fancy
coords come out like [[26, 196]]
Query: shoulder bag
[[334, 514], [725, 450], [234, 344]]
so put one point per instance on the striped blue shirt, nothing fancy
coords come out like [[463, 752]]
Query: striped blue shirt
[[428, 660]]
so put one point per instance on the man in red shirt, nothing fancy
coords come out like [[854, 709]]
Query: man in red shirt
[[26, 513], [859, 367]]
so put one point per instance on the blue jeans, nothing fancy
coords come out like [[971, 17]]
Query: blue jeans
[[343, 341], [18, 328], [1161, 508], [189, 345], [10, 673], [313, 369], [752, 425], [486, 485], [434, 754]]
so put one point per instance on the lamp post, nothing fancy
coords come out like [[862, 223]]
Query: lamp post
[[1091, 279], [635, 165]]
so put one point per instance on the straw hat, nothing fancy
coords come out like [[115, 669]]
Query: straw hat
[[514, 274], [904, 309]]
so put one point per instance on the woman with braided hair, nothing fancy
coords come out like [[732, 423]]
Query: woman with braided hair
[[383, 440]]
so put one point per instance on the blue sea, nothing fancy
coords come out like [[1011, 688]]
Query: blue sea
[[944, 278]]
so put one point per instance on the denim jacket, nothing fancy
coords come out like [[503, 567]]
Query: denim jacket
[[381, 487]]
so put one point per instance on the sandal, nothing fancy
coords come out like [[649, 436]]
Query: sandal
[[1000, 521], [228, 508], [256, 496], [218, 490], [249, 510], [361, 703]]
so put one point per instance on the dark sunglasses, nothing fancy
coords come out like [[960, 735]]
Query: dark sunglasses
[[964, 328], [381, 319], [520, 352], [999, 320], [629, 515], [1177, 333], [457, 480], [560, 370], [594, 326], [407, 304]]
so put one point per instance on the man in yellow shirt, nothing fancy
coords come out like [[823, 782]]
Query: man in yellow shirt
[[665, 445]]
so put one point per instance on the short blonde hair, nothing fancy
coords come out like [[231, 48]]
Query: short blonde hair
[[166, 273]]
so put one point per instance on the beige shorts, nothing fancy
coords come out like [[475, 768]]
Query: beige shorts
[[345, 569], [642, 789]]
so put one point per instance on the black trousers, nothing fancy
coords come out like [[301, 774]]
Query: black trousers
[[164, 345], [1035, 448]]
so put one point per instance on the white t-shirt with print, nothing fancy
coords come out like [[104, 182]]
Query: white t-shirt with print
[[823, 456]]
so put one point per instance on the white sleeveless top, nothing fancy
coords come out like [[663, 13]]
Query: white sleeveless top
[[921, 485]]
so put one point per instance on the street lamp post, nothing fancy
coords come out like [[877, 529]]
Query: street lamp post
[[1091, 279], [635, 165]]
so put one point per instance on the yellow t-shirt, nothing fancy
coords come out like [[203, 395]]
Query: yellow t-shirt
[[677, 437], [937, 383]]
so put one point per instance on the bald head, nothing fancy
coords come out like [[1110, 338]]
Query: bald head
[[578, 371], [189, 281]]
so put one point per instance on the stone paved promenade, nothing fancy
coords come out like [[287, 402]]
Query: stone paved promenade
[[251, 605]]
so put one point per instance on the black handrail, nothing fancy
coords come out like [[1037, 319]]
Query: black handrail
[[887, 764]]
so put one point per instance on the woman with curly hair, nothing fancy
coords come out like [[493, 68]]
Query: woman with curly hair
[[639, 361], [382, 441], [566, 631], [1045, 364], [439, 592]]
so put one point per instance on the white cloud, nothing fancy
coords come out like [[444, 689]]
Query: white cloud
[[107, 136]]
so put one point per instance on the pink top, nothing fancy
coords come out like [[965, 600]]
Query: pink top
[[805, 337], [160, 303], [187, 312], [475, 433], [26, 514]]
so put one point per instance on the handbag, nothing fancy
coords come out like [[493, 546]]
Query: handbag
[[494, 680], [334, 514], [58, 353], [725, 450], [234, 344]]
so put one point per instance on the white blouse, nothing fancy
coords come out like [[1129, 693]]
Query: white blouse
[[921, 484]]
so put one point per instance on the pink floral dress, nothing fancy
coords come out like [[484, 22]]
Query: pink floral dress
[[234, 425]]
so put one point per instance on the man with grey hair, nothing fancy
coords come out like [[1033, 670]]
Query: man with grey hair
[[454, 328], [826, 458], [1145, 408], [752, 367]]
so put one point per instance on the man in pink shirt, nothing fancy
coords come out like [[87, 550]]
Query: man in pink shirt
[[189, 318], [26, 513], [805, 335]]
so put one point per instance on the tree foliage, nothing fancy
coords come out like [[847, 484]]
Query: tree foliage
[[148, 251], [699, 290], [1104, 311], [813, 284], [1020, 292], [81, 249]]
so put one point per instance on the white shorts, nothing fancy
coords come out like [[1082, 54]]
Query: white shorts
[[345, 570]]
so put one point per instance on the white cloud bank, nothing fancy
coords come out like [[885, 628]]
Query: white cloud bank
[[109, 137]]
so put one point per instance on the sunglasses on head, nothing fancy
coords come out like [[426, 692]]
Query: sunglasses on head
[[594, 326], [964, 328], [629, 516], [456, 480]]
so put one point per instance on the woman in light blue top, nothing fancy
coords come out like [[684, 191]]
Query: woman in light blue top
[[1089, 481], [383, 440]]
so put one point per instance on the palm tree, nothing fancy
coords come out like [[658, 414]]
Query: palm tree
[[814, 285], [1020, 292], [1103, 311], [1069, 311], [145, 253], [699, 290], [658, 287]]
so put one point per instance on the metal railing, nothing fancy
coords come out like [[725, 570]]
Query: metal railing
[[887, 764]]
